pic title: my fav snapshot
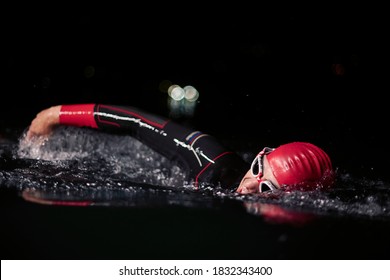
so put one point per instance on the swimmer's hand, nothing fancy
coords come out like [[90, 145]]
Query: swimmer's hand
[[44, 123]]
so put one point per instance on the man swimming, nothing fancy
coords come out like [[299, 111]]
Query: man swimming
[[296, 165]]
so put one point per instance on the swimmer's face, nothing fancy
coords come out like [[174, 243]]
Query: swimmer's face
[[250, 184]]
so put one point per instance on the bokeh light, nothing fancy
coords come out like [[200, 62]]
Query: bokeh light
[[191, 93], [181, 100], [176, 92]]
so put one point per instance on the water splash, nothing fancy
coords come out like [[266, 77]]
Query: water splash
[[102, 155], [119, 170]]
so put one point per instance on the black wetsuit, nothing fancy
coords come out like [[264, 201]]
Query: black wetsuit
[[206, 160]]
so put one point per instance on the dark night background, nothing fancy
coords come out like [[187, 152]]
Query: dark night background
[[276, 74], [273, 74]]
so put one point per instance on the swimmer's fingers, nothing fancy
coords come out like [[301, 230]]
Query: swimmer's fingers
[[30, 138], [38, 131], [44, 123]]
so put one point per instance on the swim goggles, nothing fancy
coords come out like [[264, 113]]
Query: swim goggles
[[257, 171]]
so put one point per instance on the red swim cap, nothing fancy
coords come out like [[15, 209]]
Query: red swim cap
[[301, 166]]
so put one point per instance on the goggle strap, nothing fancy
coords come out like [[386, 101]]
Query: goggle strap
[[258, 160]]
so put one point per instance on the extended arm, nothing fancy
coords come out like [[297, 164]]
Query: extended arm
[[199, 153]]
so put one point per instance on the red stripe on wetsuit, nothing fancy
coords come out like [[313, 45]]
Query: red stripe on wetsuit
[[78, 115], [208, 165]]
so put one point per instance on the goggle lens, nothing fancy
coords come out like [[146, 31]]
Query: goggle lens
[[257, 166], [266, 186]]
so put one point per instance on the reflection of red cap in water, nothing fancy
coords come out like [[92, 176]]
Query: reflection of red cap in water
[[302, 166]]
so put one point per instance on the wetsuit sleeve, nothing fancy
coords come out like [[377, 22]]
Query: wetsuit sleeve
[[198, 153], [78, 115]]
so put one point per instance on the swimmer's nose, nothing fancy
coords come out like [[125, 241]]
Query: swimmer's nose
[[248, 185]]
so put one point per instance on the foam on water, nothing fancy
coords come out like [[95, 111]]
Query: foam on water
[[103, 154], [75, 161]]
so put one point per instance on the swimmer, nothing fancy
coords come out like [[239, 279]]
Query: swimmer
[[292, 166]]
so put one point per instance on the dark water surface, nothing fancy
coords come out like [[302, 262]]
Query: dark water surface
[[87, 194]]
